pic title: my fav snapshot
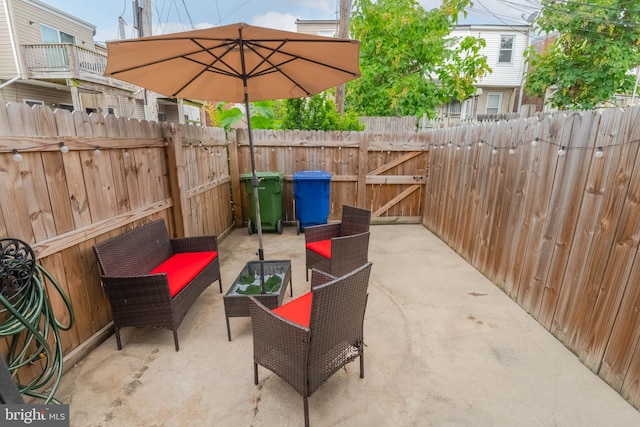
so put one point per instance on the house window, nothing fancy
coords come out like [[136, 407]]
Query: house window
[[51, 35], [506, 49], [91, 110], [112, 110], [162, 117], [32, 102], [67, 107], [327, 33], [494, 100], [455, 108]]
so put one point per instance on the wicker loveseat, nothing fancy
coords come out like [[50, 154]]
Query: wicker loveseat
[[310, 338], [152, 280]]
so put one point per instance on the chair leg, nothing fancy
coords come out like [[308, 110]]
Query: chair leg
[[228, 329], [306, 412], [220, 283], [255, 373], [306, 271], [175, 340], [362, 363], [118, 342]]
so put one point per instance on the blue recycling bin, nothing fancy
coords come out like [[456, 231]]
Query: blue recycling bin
[[312, 190]]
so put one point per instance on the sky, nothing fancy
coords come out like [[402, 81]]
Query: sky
[[170, 16]]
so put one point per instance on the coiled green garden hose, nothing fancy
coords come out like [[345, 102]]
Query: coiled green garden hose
[[32, 325]]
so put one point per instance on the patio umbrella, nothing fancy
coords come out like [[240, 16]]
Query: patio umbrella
[[235, 63]]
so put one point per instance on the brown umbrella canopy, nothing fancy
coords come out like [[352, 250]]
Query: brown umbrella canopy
[[235, 63], [212, 64]]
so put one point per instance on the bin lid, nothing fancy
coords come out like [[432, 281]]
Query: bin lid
[[263, 175], [315, 175]]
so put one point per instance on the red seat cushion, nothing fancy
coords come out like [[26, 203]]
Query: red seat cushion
[[322, 247], [181, 268], [297, 310]]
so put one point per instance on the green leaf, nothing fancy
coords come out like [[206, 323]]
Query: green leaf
[[272, 284], [247, 280], [250, 290]]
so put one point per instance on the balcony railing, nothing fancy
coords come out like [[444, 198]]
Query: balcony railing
[[64, 59]]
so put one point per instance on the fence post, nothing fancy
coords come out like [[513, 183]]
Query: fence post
[[234, 172], [363, 156], [177, 178]]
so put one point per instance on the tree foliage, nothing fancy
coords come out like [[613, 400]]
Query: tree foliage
[[408, 61], [596, 45], [315, 113], [263, 114], [318, 113]]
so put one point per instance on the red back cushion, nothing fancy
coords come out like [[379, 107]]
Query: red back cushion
[[322, 247], [297, 310], [181, 268]]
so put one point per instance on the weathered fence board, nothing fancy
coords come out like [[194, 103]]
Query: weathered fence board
[[559, 234], [62, 203]]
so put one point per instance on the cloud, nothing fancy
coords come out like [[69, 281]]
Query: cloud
[[280, 21]]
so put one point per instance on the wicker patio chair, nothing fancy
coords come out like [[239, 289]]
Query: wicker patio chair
[[141, 298], [310, 338], [338, 248]]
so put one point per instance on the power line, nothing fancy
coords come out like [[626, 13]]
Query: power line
[[517, 6], [514, 21], [193, 27], [219, 16], [595, 6], [235, 10], [501, 20]]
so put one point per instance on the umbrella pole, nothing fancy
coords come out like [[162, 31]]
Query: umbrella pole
[[254, 182], [256, 201]]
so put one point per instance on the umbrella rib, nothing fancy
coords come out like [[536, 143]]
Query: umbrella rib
[[210, 66], [277, 67], [184, 56], [251, 44]]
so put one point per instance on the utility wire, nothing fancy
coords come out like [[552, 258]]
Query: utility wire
[[595, 6], [193, 27], [501, 20], [219, 16], [235, 10]]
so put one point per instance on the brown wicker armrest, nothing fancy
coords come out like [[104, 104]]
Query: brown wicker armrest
[[195, 244], [349, 253], [279, 345], [137, 293], [321, 232], [320, 277]]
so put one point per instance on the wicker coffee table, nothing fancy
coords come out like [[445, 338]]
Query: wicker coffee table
[[236, 303]]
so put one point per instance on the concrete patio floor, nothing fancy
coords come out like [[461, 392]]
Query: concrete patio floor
[[445, 347]]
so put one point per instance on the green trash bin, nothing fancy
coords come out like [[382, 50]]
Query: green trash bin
[[270, 186]]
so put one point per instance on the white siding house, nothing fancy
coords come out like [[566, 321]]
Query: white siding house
[[49, 57], [500, 91]]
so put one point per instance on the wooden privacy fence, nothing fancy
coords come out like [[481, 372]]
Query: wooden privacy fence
[[83, 178], [559, 234], [116, 174], [554, 224], [384, 172]]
